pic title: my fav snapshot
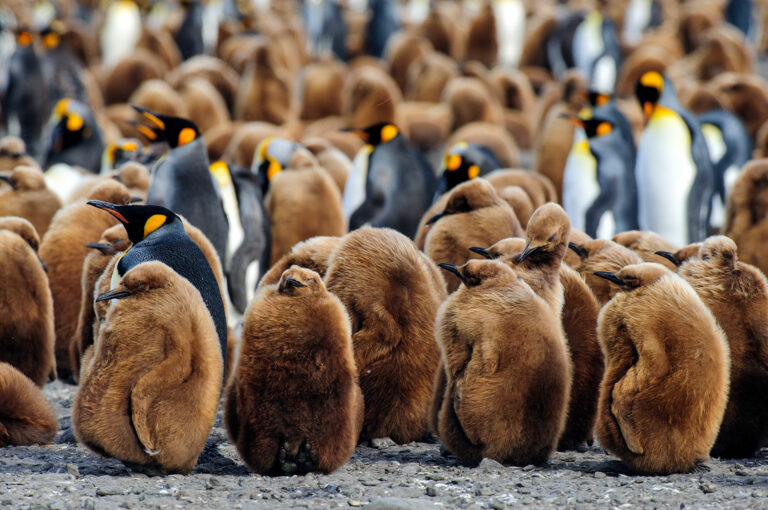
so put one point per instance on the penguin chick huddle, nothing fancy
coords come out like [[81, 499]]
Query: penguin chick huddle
[[511, 228]]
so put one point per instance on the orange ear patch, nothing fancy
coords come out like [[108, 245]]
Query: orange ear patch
[[473, 171], [603, 128], [186, 135], [388, 132], [24, 38]]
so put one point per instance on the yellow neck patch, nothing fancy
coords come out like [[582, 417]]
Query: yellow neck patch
[[262, 149], [388, 132], [153, 223], [61, 108], [24, 38], [273, 169], [186, 135]]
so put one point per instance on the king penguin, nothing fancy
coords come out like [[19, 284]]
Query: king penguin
[[189, 37], [182, 181], [675, 177], [599, 189], [463, 162], [596, 51], [391, 183], [158, 234], [383, 22], [120, 32], [73, 137], [326, 28]]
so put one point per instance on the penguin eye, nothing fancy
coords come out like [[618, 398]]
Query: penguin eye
[[552, 237]]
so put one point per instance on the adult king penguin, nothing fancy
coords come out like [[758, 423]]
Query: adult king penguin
[[73, 137], [182, 181], [158, 234], [391, 184], [675, 177], [463, 162], [599, 190]]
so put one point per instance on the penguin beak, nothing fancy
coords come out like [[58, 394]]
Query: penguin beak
[[8, 179], [45, 267], [481, 251], [437, 217], [103, 248], [581, 252], [134, 200], [110, 208], [647, 109], [357, 132], [293, 282], [573, 119], [113, 294], [670, 257], [527, 252], [611, 277], [453, 269]]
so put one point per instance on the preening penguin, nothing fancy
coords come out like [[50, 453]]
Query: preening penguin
[[314, 253], [675, 177], [647, 245], [666, 383], [391, 184], [182, 181], [158, 234], [737, 295], [474, 215], [28, 197], [601, 255], [27, 335], [149, 393], [63, 249], [26, 418], [507, 368], [285, 411], [391, 292], [463, 162]]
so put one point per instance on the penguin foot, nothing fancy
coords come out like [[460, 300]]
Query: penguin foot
[[306, 459], [286, 461]]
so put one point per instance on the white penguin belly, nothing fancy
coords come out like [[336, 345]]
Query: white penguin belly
[[236, 233], [636, 19], [665, 172], [63, 180], [588, 42], [121, 32], [716, 147], [354, 189], [580, 187], [510, 30]]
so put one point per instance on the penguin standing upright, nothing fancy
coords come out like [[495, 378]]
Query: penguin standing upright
[[391, 184], [189, 38], [675, 177], [596, 51], [510, 30], [639, 16], [73, 137], [64, 70], [182, 181], [120, 32], [599, 190], [326, 28], [381, 25], [158, 234]]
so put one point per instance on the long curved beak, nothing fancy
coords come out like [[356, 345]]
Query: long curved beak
[[293, 282], [611, 277], [669, 256], [481, 251], [453, 269], [103, 248], [110, 208]]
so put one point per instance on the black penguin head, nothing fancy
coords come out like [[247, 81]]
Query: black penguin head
[[376, 134], [51, 35], [593, 126], [24, 37], [272, 156], [648, 91], [174, 130], [597, 99], [117, 153], [73, 123], [458, 166], [139, 220]]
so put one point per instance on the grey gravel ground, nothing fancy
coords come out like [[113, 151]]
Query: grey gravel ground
[[380, 476]]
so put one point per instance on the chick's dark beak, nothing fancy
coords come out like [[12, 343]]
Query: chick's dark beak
[[436, 217], [453, 269], [667, 255], [575, 248], [611, 277], [7, 179], [292, 282], [103, 248], [481, 251], [527, 252], [113, 294]]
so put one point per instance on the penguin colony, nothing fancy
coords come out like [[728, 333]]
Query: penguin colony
[[511, 226]]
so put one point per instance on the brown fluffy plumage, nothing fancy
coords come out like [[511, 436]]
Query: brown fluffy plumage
[[205, 106], [737, 295], [471, 101], [482, 44], [746, 220], [391, 292], [132, 175], [539, 188], [294, 403], [26, 418], [323, 83], [13, 152], [64, 249], [26, 308], [602, 255], [370, 96], [149, 393], [666, 382], [646, 244], [507, 368], [474, 215], [314, 254], [29, 198], [265, 89]]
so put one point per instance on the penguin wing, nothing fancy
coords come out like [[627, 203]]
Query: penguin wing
[[703, 189], [451, 429], [622, 410]]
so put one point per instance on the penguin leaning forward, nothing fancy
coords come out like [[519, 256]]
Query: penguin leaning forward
[[158, 234], [675, 176]]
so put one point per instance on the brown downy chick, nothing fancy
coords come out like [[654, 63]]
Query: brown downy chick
[[26, 308], [646, 245], [392, 294], [294, 403], [314, 254], [149, 393], [666, 382], [28, 197], [737, 295], [538, 187], [26, 418], [507, 368], [64, 249], [13, 153], [746, 219], [132, 175], [602, 255], [571, 257], [474, 215], [520, 202], [678, 257], [265, 89]]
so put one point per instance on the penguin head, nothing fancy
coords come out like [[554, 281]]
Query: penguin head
[[24, 37], [272, 156], [460, 164], [139, 280], [140, 221], [299, 281], [467, 197], [24, 178], [73, 123], [719, 251], [12, 150], [23, 228], [634, 276], [476, 273], [648, 91], [51, 35], [117, 153], [112, 241], [547, 234], [509, 248], [594, 126], [597, 99], [176, 131], [686, 252], [376, 134]]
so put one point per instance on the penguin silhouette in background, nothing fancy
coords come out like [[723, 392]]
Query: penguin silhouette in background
[[610, 110], [25, 103], [391, 183], [599, 189], [463, 162], [157, 233], [596, 51], [248, 243], [73, 137], [381, 25], [559, 45], [63, 68], [675, 177], [640, 16], [189, 38], [120, 32], [326, 28], [730, 148], [182, 181], [510, 30]]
